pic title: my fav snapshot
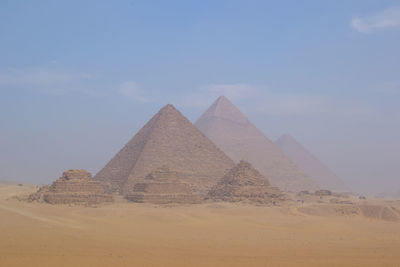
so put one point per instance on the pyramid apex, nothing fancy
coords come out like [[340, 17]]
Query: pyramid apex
[[223, 100], [224, 109], [168, 107], [222, 97]]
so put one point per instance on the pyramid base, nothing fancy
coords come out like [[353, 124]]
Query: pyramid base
[[76, 198], [249, 194], [164, 198]]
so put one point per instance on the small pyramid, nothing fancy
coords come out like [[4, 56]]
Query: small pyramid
[[231, 131], [73, 187], [163, 186], [310, 164], [167, 139], [244, 174], [244, 183]]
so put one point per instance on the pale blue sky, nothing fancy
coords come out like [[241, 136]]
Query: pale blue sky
[[79, 78]]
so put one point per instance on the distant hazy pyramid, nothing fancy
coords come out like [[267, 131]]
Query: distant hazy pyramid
[[244, 183], [163, 186], [310, 164], [167, 139], [230, 129]]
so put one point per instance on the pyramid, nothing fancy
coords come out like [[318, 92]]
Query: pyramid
[[163, 186], [310, 164], [167, 139], [244, 183], [73, 187], [230, 129]]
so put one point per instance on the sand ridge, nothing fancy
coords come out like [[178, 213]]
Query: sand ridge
[[210, 234]]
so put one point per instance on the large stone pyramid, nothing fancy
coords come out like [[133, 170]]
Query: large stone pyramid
[[163, 186], [230, 129], [73, 187], [167, 139], [244, 183], [310, 164]]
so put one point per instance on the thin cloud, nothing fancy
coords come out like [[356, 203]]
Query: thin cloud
[[388, 18], [132, 90], [45, 80], [291, 104], [203, 96], [262, 100]]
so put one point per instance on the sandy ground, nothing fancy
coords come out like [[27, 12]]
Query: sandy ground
[[127, 234]]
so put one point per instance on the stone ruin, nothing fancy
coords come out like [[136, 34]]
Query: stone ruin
[[73, 187], [246, 184], [230, 129], [163, 186], [170, 139], [323, 192]]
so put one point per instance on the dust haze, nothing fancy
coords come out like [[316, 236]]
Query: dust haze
[[208, 133]]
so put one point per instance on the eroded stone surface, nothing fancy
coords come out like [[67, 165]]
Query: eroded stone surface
[[244, 183], [73, 187], [163, 186]]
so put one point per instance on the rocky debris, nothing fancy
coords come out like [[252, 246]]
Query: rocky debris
[[379, 212], [38, 196], [163, 186], [231, 131], [244, 183], [167, 139], [340, 201], [323, 192], [330, 210], [73, 187], [304, 193]]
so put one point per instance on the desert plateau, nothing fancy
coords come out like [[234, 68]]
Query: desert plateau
[[208, 234]]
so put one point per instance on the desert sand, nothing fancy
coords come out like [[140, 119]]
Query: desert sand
[[209, 234]]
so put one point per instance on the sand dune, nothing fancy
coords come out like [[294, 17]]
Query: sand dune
[[213, 234]]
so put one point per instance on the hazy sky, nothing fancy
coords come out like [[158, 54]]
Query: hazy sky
[[79, 78]]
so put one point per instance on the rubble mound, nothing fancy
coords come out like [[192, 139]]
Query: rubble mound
[[380, 212], [323, 192], [73, 187], [330, 210], [244, 183], [163, 186]]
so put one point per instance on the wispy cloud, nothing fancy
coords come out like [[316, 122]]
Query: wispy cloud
[[263, 100], [290, 104], [45, 80], [132, 90], [204, 95], [388, 18]]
